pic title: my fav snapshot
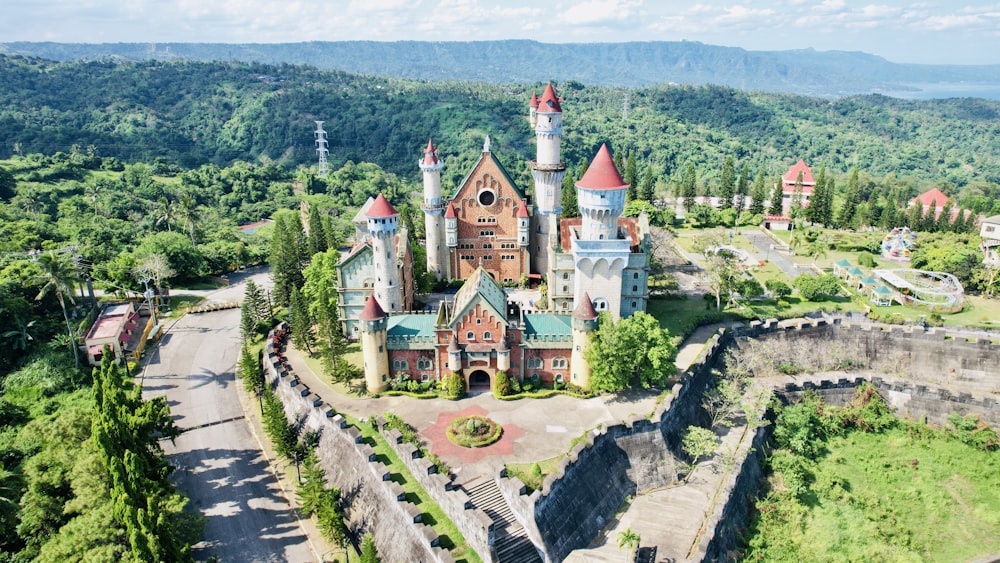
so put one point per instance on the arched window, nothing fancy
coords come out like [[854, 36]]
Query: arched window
[[535, 363], [487, 335], [559, 363], [470, 335], [400, 364]]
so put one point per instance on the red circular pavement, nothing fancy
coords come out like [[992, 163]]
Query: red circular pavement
[[442, 447]]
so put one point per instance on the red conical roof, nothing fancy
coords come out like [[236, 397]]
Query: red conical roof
[[534, 100], [584, 310], [792, 175], [602, 173], [430, 153], [549, 102], [522, 211], [372, 311], [450, 212], [381, 208]]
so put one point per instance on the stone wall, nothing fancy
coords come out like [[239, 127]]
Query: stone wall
[[475, 525], [375, 504]]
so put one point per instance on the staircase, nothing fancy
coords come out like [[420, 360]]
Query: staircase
[[511, 542]]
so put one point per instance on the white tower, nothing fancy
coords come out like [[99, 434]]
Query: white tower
[[322, 149], [548, 171], [599, 253], [451, 226], [523, 228], [434, 213], [383, 224]]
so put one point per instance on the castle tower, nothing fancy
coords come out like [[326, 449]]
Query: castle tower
[[533, 109], [451, 226], [434, 213], [547, 170], [383, 224], [584, 325], [373, 346], [523, 227], [600, 254]]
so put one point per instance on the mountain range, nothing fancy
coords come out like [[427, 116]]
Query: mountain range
[[634, 64]]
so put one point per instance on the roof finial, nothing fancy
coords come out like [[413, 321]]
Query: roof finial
[[486, 144]]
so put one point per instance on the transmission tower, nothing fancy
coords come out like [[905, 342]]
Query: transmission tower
[[322, 149]]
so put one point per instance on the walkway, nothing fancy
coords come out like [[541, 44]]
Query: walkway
[[763, 244]]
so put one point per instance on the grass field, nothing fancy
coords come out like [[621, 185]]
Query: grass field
[[900, 495]]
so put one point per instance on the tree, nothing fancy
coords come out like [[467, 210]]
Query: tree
[[320, 294], [8, 185], [629, 541], [758, 194], [312, 488], [250, 370], [797, 197], [647, 188], [742, 189], [287, 249], [634, 349], [301, 322], [569, 202], [727, 183], [698, 443], [255, 301], [187, 211], [777, 205], [778, 288], [182, 257], [722, 264], [845, 219], [369, 553], [817, 288], [689, 187], [631, 177], [819, 211], [501, 384], [58, 276]]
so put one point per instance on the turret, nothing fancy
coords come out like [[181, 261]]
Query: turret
[[451, 226], [433, 209], [523, 227], [503, 356], [601, 197], [547, 170], [383, 224], [454, 355], [533, 110], [373, 346], [584, 325]]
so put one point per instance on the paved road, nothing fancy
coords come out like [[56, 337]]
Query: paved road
[[763, 245], [219, 463]]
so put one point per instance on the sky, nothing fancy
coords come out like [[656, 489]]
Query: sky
[[935, 31]]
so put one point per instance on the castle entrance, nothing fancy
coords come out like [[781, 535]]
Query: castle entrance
[[479, 380]]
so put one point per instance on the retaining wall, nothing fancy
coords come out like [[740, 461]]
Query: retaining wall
[[375, 504]]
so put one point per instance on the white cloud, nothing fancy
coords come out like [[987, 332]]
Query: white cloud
[[600, 12]]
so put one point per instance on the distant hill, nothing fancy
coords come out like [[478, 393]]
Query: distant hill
[[636, 64]]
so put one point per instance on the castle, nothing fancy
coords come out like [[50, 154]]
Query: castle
[[491, 234]]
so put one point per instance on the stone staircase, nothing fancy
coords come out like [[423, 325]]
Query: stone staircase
[[511, 542]]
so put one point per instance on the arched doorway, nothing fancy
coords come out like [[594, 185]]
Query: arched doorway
[[479, 380]]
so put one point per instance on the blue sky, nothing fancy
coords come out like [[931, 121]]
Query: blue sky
[[936, 31]]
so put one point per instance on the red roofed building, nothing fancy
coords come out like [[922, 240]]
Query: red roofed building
[[794, 192]]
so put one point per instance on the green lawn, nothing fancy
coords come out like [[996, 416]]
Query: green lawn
[[900, 495]]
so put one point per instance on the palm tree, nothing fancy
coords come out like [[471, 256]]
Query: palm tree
[[164, 212], [20, 335], [627, 539], [59, 275], [187, 211], [819, 248]]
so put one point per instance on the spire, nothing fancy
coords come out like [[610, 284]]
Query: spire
[[453, 345], [450, 212], [534, 101], [549, 102], [381, 208], [486, 144], [585, 309], [372, 311], [602, 173], [430, 154], [522, 212]]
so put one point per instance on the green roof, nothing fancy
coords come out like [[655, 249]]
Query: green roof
[[411, 325], [883, 290], [547, 324], [843, 263], [868, 280], [855, 271], [480, 283]]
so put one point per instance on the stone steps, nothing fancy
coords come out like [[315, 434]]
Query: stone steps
[[511, 542]]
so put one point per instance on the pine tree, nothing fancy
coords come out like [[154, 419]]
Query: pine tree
[[369, 554], [742, 189], [333, 238], [777, 205], [758, 194], [846, 218], [943, 223], [928, 221], [287, 251], [631, 177], [915, 217], [250, 370], [815, 211], [301, 322], [829, 188], [571, 208], [317, 236], [312, 488], [647, 189], [619, 159], [727, 183], [689, 189], [797, 195], [256, 303]]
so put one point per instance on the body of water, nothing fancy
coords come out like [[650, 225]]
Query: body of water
[[932, 91]]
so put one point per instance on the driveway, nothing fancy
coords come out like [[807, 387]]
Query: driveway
[[218, 461], [763, 245]]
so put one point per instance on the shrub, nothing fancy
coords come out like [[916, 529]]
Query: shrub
[[501, 384], [867, 260], [817, 288], [974, 432], [778, 288], [473, 431]]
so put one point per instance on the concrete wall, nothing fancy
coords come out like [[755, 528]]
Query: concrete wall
[[374, 503]]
